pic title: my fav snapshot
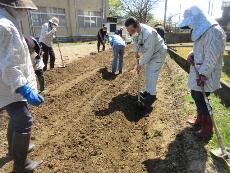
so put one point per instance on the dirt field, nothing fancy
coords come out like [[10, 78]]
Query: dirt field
[[90, 124]]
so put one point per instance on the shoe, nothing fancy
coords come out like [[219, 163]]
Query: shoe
[[20, 151], [149, 99], [206, 131], [144, 94]]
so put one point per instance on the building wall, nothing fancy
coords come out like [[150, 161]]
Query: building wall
[[72, 29]]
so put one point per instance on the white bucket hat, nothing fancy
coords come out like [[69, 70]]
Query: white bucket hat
[[54, 20], [199, 21], [19, 4]]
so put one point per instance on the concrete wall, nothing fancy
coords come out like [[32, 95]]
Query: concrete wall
[[172, 38]]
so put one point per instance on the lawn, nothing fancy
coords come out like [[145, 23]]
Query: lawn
[[183, 51]]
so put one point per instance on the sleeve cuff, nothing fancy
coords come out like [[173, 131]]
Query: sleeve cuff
[[18, 83]]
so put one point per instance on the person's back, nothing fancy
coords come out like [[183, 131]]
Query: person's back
[[117, 40]]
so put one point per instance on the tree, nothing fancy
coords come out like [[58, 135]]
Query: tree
[[116, 8], [140, 9]]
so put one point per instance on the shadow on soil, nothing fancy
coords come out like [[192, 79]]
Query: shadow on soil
[[127, 104], [186, 154], [106, 74], [177, 157]]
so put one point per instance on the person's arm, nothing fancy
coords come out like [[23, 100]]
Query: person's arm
[[214, 44], [100, 35], [149, 44], [10, 51], [111, 40], [46, 32]]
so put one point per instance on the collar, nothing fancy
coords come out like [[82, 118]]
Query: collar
[[6, 14]]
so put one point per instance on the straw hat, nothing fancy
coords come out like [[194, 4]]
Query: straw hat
[[54, 20]]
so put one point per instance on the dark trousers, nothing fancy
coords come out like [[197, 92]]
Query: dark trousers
[[200, 102], [41, 79], [48, 51], [20, 117], [99, 43]]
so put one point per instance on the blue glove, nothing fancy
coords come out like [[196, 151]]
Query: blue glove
[[32, 97]]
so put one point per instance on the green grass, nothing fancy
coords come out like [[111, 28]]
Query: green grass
[[183, 51], [221, 115]]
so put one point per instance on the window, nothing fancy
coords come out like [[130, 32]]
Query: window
[[89, 19], [43, 14]]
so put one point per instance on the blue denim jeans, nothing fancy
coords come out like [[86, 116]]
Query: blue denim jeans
[[118, 52], [20, 117], [200, 102]]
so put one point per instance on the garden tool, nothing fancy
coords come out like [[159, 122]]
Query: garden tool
[[63, 64], [222, 151], [62, 59], [140, 104]]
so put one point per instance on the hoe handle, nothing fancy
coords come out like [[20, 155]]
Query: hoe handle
[[217, 132], [138, 83]]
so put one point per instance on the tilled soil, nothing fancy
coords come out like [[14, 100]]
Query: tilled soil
[[90, 123]]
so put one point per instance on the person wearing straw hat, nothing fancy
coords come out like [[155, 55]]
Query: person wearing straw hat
[[46, 41], [17, 82], [207, 56]]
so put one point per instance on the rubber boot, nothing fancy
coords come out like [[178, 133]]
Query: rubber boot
[[98, 47], [41, 81], [10, 132], [196, 122], [20, 152], [207, 128]]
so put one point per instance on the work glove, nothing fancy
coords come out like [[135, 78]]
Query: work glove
[[201, 80], [30, 95], [190, 58]]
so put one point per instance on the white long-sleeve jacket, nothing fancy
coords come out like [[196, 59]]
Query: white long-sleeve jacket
[[208, 56], [47, 35], [150, 43], [16, 68]]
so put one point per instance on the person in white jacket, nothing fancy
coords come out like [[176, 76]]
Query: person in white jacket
[[46, 41], [149, 42], [17, 82], [207, 56]]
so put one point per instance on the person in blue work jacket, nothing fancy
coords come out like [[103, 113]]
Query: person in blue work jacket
[[118, 45]]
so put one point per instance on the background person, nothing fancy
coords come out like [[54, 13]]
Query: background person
[[118, 45], [46, 41], [35, 53], [101, 38]]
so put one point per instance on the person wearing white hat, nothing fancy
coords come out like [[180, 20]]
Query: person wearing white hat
[[207, 56], [46, 41], [17, 82]]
